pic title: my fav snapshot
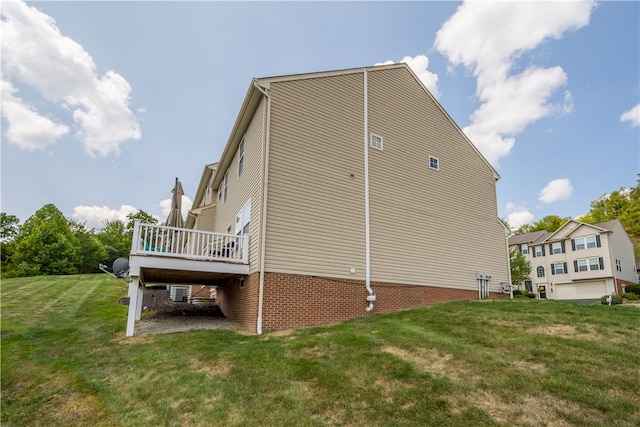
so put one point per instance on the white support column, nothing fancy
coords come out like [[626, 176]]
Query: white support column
[[134, 295], [139, 303]]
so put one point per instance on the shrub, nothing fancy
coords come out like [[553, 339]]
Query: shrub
[[634, 289], [531, 295], [630, 296], [517, 292], [615, 299]]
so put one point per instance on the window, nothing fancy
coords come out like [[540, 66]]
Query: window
[[618, 265], [243, 219], [540, 271], [588, 264], [524, 249], [224, 186], [241, 156], [538, 251], [376, 141], [434, 163], [586, 242], [559, 268], [556, 248]]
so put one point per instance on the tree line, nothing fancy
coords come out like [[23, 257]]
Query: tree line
[[48, 243]]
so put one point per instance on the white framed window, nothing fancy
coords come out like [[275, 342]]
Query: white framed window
[[524, 249], [557, 248], [538, 251], [243, 219], [558, 268], [618, 265], [241, 156], [376, 142], [540, 271], [588, 264], [434, 163], [586, 242], [223, 189]]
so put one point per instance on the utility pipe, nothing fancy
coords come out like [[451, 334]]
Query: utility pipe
[[367, 239], [263, 211]]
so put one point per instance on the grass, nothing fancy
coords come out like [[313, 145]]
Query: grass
[[66, 362]]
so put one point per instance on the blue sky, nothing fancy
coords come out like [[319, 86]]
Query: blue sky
[[105, 103]]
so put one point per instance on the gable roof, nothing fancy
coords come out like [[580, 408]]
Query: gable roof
[[544, 236], [257, 90], [528, 238]]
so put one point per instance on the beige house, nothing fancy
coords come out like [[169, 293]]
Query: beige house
[[339, 194], [578, 261]]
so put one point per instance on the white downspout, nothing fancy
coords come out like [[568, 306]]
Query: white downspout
[[509, 266], [367, 269], [263, 211]]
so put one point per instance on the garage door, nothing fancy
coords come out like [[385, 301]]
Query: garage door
[[585, 290]]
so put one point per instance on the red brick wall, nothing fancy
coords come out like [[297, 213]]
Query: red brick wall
[[620, 282], [292, 301]]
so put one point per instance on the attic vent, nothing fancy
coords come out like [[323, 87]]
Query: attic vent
[[376, 141]]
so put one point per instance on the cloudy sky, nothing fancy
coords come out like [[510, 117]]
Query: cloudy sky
[[105, 103]]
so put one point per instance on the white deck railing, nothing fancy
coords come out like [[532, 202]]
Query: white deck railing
[[160, 240]]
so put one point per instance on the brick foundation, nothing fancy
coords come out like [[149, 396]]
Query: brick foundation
[[292, 301]]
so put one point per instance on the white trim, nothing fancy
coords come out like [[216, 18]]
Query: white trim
[[437, 168]]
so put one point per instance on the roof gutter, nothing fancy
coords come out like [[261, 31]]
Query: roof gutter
[[263, 211]]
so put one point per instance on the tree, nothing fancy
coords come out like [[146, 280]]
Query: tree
[[142, 216], [91, 252], [549, 223], [8, 227], [45, 244], [520, 269], [116, 241], [9, 230]]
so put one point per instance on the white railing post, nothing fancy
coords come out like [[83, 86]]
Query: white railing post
[[135, 242]]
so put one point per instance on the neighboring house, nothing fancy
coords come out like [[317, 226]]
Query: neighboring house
[[338, 194], [578, 261]]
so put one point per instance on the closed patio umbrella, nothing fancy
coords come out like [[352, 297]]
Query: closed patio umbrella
[[175, 215]]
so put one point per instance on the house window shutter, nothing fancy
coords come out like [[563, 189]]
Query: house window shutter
[[573, 245], [542, 250], [534, 251], [564, 265], [601, 263], [553, 269], [575, 265], [551, 248], [597, 240], [562, 246]]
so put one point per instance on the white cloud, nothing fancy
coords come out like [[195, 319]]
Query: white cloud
[[488, 38], [632, 116], [518, 216], [165, 206], [25, 127], [97, 216], [420, 66], [36, 53], [558, 189]]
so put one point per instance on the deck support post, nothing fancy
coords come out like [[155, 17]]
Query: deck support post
[[135, 304]]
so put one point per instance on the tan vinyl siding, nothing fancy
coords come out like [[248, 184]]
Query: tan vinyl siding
[[428, 227], [315, 214], [246, 186], [434, 228], [206, 220], [622, 248]]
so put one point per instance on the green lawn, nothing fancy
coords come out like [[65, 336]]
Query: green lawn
[[66, 362]]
